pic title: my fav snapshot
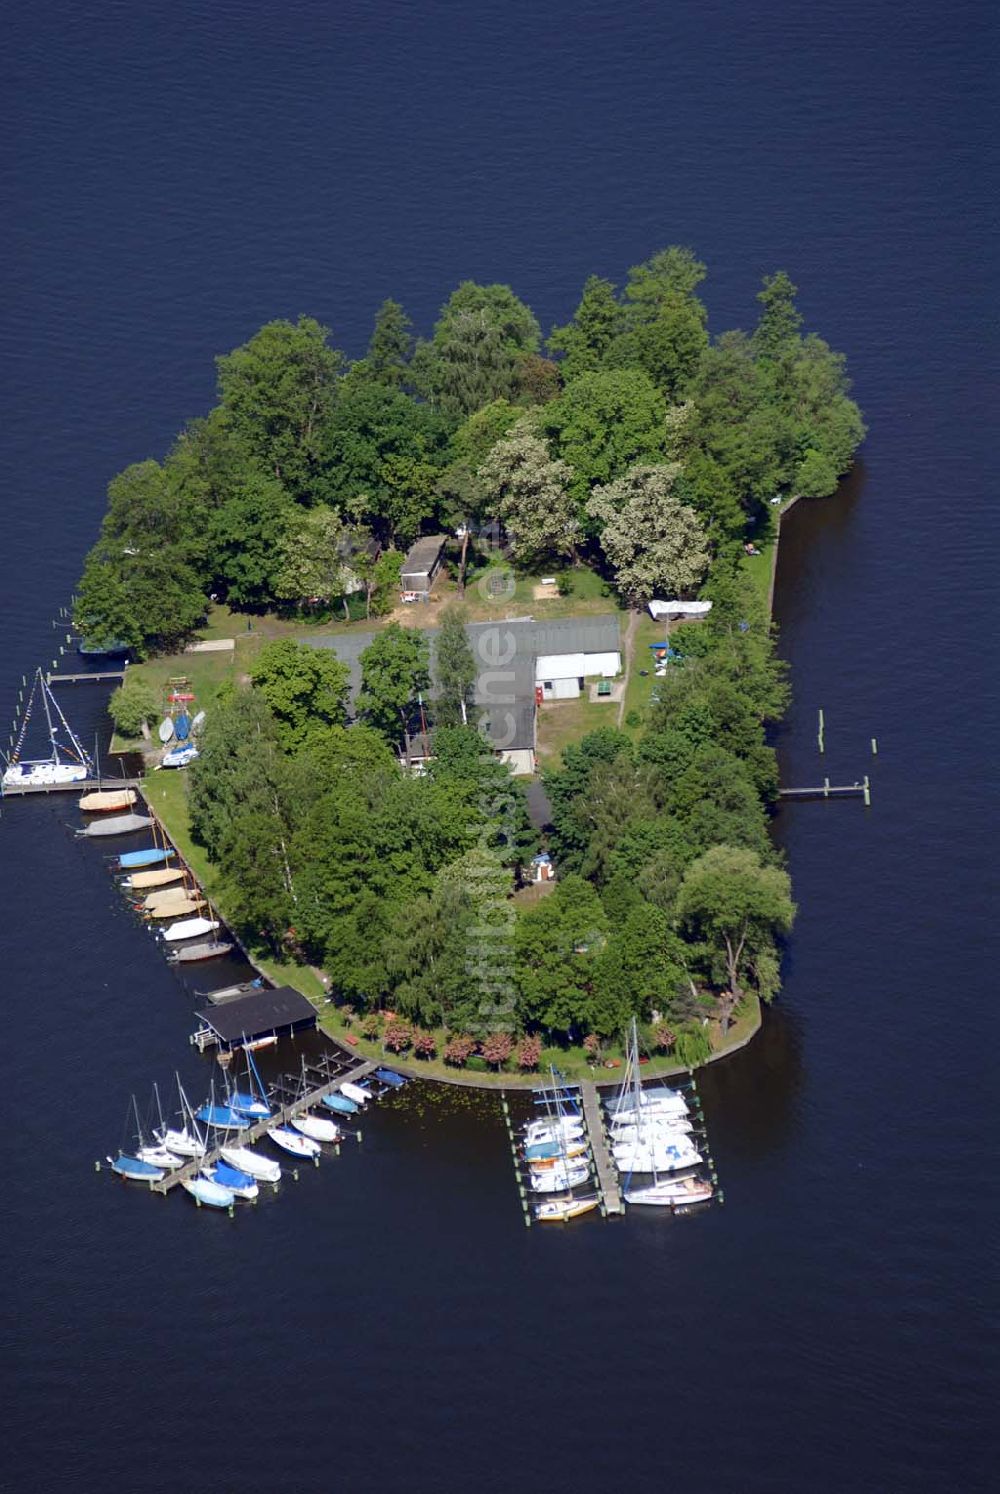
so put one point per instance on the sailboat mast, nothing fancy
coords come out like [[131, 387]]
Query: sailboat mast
[[48, 722]]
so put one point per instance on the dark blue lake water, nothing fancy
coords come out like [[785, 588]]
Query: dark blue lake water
[[172, 177]]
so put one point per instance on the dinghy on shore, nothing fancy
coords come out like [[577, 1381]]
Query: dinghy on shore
[[151, 856], [190, 928], [191, 952], [119, 824], [164, 877], [107, 801]]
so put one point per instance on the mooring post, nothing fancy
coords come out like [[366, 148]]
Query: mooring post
[[826, 788], [868, 792], [821, 730], [874, 747]]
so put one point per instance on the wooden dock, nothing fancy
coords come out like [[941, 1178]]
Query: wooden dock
[[607, 1175], [82, 786], [96, 677], [253, 1133], [828, 790]]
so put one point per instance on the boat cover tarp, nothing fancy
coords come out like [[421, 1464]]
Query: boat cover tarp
[[182, 726]]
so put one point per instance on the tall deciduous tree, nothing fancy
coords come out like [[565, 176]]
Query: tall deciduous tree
[[454, 671], [394, 671], [279, 390], [777, 330], [529, 490], [482, 333], [653, 541], [737, 906], [603, 423], [306, 689], [310, 561], [247, 532]]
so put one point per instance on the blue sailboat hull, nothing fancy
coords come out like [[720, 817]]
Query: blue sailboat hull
[[249, 1105], [222, 1115], [152, 856], [341, 1104], [390, 1077], [134, 1167]]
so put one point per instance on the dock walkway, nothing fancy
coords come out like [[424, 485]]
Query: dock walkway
[[253, 1133], [88, 677], [607, 1176], [81, 786]]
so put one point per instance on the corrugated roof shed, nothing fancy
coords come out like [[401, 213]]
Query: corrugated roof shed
[[258, 1015]]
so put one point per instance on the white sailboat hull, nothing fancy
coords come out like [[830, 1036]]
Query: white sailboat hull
[[37, 775], [668, 1194], [316, 1127], [181, 1143], [190, 928], [252, 1162], [557, 1179], [655, 1159], [294, 1142], [356, 1093]]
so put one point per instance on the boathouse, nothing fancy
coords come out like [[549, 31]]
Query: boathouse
[[261, 1014]]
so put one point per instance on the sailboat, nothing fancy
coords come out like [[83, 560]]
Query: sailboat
[[317, 1127], [356, 1092], [560, 1209], [177, 907], [151, 856], [251, 1102], [179, 757], [67, 761], [204, 1191], [341, 1104], [223, 1117], [294, 1142], [186, 1141], [653, 1146], [135, 1165], [239, 1183]]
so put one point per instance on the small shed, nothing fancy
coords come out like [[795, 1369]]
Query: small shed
[[261, 1014], [417, 573]]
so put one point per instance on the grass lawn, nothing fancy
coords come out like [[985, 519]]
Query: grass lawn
[[563, 721], [205, 673], [589, 595], [640, 689], [760, 568]]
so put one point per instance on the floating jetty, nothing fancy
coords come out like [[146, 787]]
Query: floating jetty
[[351, 1073], [828, 790], [81, 786], [102, 676], [607, 1176]]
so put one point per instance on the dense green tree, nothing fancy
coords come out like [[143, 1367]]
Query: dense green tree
[[394, 672], [391, 345], [247, 535], [241, 810], [737, 906], [463, 497], [454, 671], [557, 945], [311, 565], [482, 333], [777, 330], [104, 610], [488, 800], [652, 541], [279, 390], [584, 341], [378, 440], [530, 493], [306, 689], [604, 423], [133, 705]]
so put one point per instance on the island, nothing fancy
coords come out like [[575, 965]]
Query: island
[[487, 665]]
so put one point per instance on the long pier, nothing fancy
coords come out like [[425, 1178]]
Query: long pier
[[81, 786], [96, 677], [255, 1132], [828, 790], [607, 1175]]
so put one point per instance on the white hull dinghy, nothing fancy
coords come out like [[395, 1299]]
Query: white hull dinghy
[[252, 1162], [316, 1127], [190, 928], [294, 1142]]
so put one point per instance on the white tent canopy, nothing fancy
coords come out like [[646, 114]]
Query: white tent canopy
[[679, 609]]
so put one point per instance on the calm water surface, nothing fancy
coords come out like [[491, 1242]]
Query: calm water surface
[[174, 176]]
